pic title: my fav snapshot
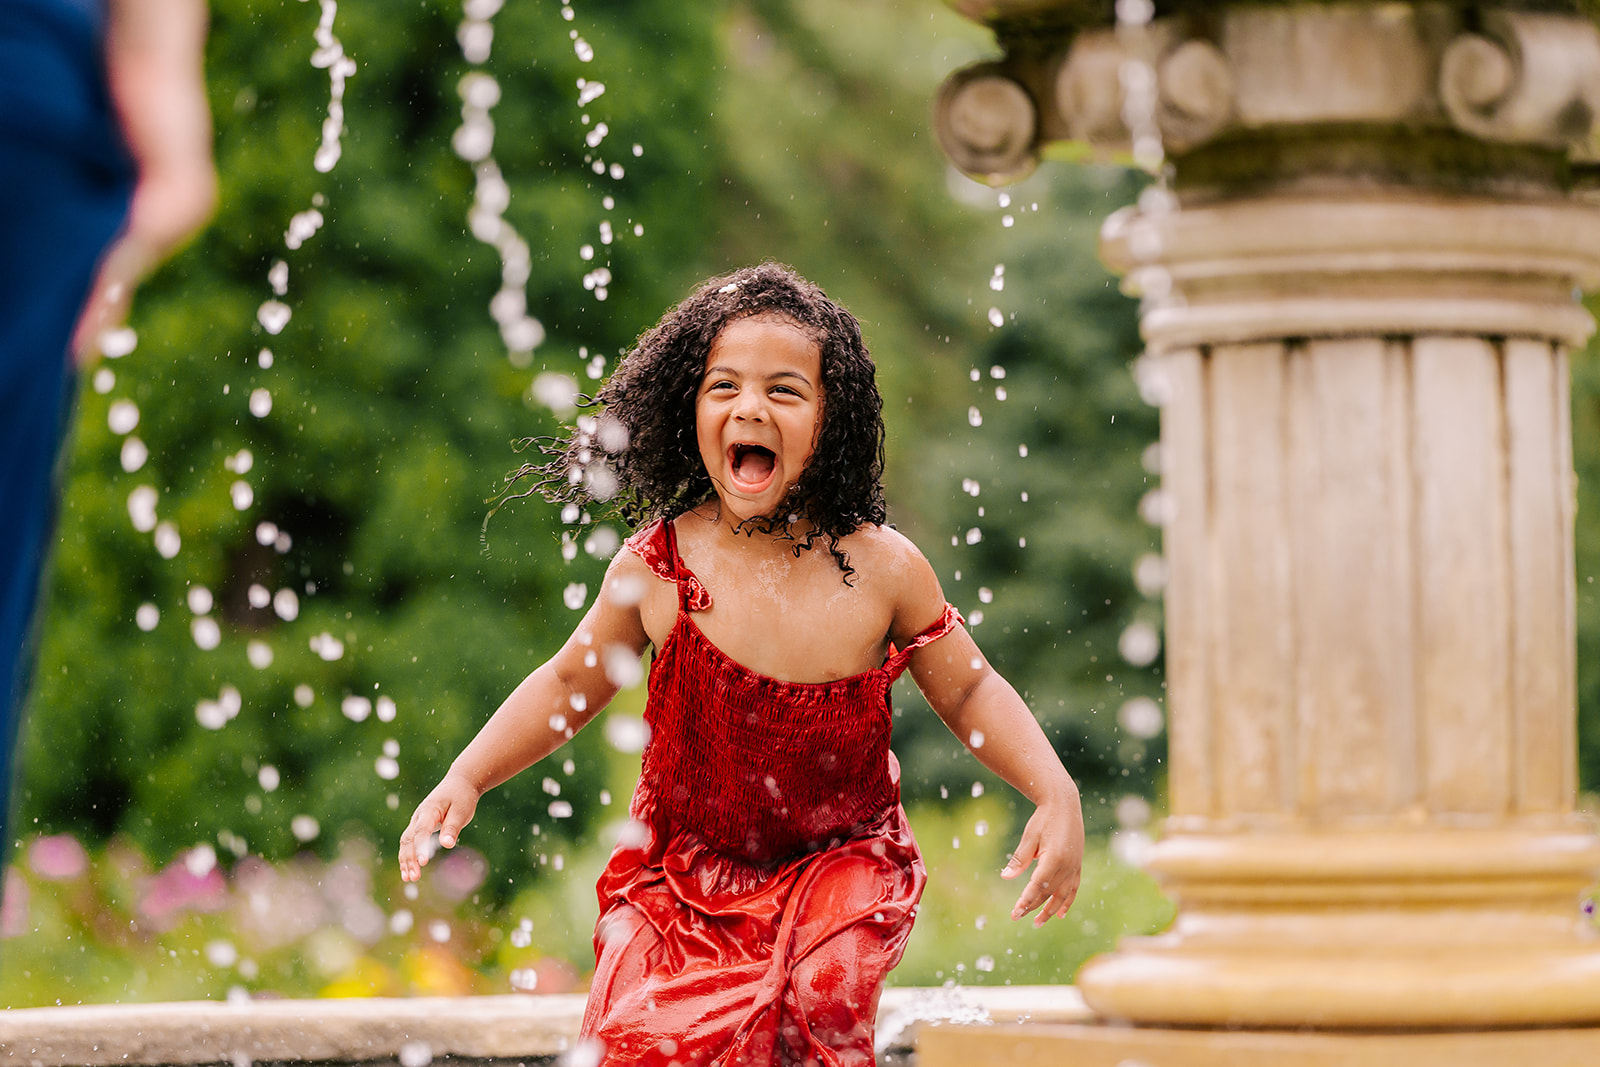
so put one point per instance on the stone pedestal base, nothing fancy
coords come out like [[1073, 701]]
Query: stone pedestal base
[[1042, 1045]]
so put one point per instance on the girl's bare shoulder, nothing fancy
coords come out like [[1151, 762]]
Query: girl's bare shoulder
[[890, 562]]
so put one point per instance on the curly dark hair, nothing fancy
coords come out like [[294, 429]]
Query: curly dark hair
[[641, 455]]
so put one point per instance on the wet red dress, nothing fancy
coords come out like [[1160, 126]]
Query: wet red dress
[[774, 879]]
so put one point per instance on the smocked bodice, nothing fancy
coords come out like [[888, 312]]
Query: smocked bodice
[[756, 767]]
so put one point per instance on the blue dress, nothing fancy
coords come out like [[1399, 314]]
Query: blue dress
[[65, 182]]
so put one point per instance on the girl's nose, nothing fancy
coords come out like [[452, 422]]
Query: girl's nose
[[749, 406]]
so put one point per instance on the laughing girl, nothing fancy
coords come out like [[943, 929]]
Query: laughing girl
[[771, 878]]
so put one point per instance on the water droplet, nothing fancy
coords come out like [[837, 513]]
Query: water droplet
[[105, 380], [415, 1054], [356, 708], [985, 595], [638, 150], [329, 648], [260, 403], [304, 828], [984, 963], [278, 277], [168, 543], [581, 47], [220, 953], [268, 777], [301, 227], [575, 595], [286, 604], [1150, 574], [524, 979], [596, 135], [209, 713], [243, 496], [1022, 450], [147, 617], [273, 316], [387, 768], [622, 666], [134, 454], [996, 317], [207, 634], [1007, 221], [386, 709], [974, 535], [1157, 507], [589, 91], [977, 789], [1141, 717], [558, 392], [602, 543], [259, 653], [122, 417], [974, 417], [304, 695], [439, 930], [626, 733], [560, 809], [118, 342], [975, 619]]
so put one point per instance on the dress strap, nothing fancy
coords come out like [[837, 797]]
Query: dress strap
[[657, 545], [899, 657]]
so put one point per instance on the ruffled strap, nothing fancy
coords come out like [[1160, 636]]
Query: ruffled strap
[[657, 545], [899, 657]]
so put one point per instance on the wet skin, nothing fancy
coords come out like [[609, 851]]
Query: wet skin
[[757, 416]]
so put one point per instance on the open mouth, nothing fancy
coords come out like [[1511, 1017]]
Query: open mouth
[[752, 467]]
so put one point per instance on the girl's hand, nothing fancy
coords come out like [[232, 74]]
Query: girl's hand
[[1054, 837], [447, 809]]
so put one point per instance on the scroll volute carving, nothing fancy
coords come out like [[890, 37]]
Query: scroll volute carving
[[1528, 78]]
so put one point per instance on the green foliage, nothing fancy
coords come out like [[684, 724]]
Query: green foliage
[[767, 129], [393, 414]]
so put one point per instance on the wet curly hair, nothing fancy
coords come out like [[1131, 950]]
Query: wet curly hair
[[640, 454]]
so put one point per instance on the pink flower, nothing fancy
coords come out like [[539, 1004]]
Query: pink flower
[[14, 905], [460, 872], [178, 889], [57, 858]]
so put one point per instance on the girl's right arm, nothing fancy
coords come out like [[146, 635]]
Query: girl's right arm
[[554, 702]]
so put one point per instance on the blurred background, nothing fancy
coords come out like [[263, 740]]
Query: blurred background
[[278, 610]]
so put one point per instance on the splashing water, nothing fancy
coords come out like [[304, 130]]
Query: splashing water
[[473, 141]]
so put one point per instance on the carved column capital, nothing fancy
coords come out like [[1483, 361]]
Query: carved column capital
[[1232, 72]]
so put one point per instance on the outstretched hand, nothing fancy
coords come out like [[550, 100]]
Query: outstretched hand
[[447, 809], [1053, 838]]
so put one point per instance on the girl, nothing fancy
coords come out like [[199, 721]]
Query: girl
[[769, 879]]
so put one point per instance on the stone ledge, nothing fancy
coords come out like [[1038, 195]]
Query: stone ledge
[[495, 1028]]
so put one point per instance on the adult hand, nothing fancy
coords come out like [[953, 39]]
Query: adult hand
[[155, 51]]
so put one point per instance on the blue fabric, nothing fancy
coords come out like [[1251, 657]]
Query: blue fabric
[[65, 180]]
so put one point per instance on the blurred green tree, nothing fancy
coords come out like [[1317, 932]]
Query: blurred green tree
[[767, 128]]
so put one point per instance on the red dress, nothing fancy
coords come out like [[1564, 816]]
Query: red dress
[[774, 879]]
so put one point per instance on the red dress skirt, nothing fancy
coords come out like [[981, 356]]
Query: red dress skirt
[[773, 879]]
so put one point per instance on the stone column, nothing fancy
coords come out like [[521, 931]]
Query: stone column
[[1358, 313]]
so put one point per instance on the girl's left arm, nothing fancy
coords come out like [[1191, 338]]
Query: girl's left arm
[[983, 710]]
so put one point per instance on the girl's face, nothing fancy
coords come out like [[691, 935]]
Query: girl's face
[[758, 412]]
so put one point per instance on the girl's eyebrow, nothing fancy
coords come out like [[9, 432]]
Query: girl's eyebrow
[[771, 377]]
